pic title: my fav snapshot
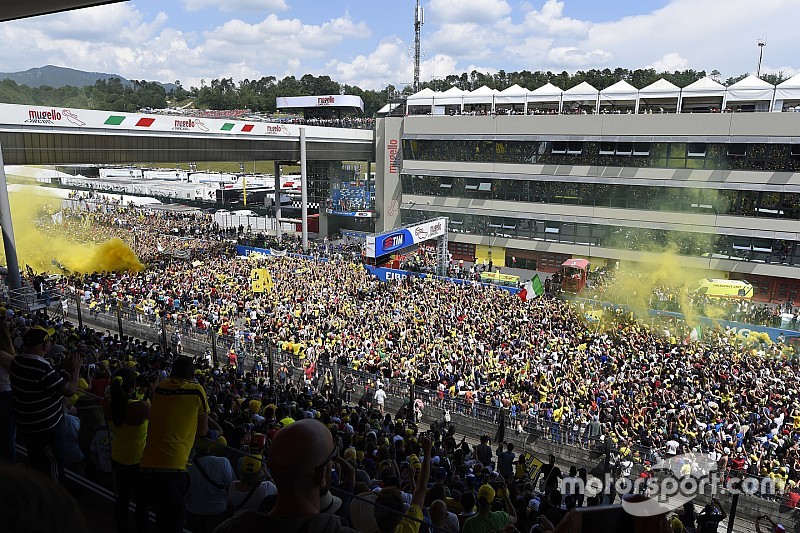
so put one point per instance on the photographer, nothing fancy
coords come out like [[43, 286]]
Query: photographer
[[709, 518]]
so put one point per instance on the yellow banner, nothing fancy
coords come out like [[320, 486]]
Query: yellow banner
[[532, 465], [260, 280]]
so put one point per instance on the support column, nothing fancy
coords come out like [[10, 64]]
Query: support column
[[277, 200], [304, 188], [9, 243]]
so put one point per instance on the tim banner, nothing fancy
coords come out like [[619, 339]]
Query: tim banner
[[401, 238]]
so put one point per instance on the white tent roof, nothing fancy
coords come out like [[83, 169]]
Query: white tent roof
[[583, 92], [422, 98], [452, 96], [789, 89], [704, 87], [546, 93], [750, 88], [620, 91], [511, 95], [660, 88], [481, 95]]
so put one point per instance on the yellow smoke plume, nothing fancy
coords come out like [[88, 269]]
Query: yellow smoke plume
[[668, 276], [40, 249]]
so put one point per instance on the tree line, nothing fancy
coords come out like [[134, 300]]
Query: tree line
[[260, 95]]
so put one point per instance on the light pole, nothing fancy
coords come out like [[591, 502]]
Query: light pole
[[761, 44]]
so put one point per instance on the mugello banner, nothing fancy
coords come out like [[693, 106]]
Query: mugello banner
[[330, 100], [401, 238], [23, 116]]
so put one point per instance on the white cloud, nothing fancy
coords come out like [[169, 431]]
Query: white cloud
[[551, 20], [477, 11], [236, 5], [388, 64], [465, 40], [670, 62], [706, 36], [575, 58]]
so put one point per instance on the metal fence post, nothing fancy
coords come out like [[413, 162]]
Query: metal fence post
[[271, 362], [214, 344], [164, 331], [119, 318], [78, 310]]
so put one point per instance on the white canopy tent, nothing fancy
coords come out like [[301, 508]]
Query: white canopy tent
[[511, 99], [452, 100], [620, 97], [546, 98], [421, 103], [481, 99], [749, 94], [703, 96], [787, 95], [660, 96], [583, 96]]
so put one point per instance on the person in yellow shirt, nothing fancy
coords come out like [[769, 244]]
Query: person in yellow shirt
[[127, 419], [179, 414]]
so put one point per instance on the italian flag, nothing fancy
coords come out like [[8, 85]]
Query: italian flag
[[532, 289]]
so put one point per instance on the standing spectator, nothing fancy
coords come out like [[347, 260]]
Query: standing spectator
[[209, 480], [505, 460], [380, 397], [127, 418], [484, 451], [37, 393], [550, 474], [179, 413]]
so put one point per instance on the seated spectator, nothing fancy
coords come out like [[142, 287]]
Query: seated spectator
[[487, 520], [388, 513], [249, 492], [209, 480], [442, 519]]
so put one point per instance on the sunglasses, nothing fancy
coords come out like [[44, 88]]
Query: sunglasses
[[330, 457]]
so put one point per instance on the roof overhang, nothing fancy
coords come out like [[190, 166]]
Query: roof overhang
[[18, 9]]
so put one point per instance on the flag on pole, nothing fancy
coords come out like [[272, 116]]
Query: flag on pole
[[696, 334], [532, 289]]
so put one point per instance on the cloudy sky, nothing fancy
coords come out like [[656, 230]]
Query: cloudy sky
[[368, 42]]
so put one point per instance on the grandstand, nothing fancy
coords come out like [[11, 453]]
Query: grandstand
[[635, 173]]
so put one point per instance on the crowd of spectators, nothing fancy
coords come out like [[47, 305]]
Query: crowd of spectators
[[642, 386]]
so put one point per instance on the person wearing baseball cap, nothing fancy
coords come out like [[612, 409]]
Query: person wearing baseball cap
[[37, 393], [486, 519]]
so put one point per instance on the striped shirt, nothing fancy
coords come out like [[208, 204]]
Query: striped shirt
[[36, 393]]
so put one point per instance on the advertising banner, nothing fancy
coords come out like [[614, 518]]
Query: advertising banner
[[400, 238]]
